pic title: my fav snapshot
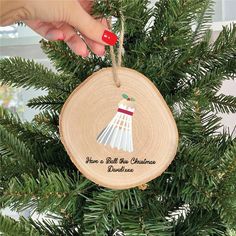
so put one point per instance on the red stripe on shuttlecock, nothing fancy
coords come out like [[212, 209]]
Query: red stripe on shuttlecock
[[130, 113]]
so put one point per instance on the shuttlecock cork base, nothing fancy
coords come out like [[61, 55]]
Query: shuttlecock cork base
[[118, 137]]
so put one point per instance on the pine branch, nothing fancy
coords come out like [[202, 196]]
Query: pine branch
[[208, 81], [169, 38], [173, 66], [24, 73], [16, 151], [24, 130], [106, 8], [231, 232], [58, 192], [49, 102], [102, 210], [133, 222], [226, 39], [199, 222], [15, 156], [204, 17], [196, 124], [221, 55], [192, 180], [42, 140], [194, 176], [45, 152], [66, 61], [174, 14], [194, 163], [226, 193], [223, 103], [50, 228], [11, 227], [229, 161], [49, 120]]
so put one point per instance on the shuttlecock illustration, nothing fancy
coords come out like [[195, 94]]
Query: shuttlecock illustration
[[118, 133]]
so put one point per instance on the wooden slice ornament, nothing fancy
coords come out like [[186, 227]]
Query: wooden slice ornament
[[118, 137], [117, 128]]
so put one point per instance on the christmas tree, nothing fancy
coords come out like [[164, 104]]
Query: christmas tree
[[170, 43]]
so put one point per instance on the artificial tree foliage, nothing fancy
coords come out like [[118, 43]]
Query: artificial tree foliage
[[170, 43]]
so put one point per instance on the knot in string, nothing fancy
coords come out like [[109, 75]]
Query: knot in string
[[118, 62]]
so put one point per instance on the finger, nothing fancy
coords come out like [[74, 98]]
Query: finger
[[78, 46], [87, 5], [60, 31], [89, 27], [97, 48], [46, 30], [72, 39]]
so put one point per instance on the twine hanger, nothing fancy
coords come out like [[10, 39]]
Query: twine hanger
[[117, 63]]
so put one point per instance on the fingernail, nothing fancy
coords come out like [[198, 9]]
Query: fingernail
[[52, 36], [101, 54], [86, 54], [109, 37]]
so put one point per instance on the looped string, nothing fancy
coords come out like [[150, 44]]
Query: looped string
[[117, 63]]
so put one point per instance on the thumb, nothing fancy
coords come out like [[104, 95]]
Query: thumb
[[89, 27]]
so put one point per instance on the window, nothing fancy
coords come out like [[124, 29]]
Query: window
[[225, 10]]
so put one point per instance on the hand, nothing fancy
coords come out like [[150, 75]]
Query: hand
[[57, 20]]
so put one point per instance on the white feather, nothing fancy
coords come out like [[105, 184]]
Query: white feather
[[118, 133]]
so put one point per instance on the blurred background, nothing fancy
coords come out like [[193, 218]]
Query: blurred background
[[22, 41]]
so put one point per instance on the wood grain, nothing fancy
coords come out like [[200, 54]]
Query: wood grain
[[91, 107]]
